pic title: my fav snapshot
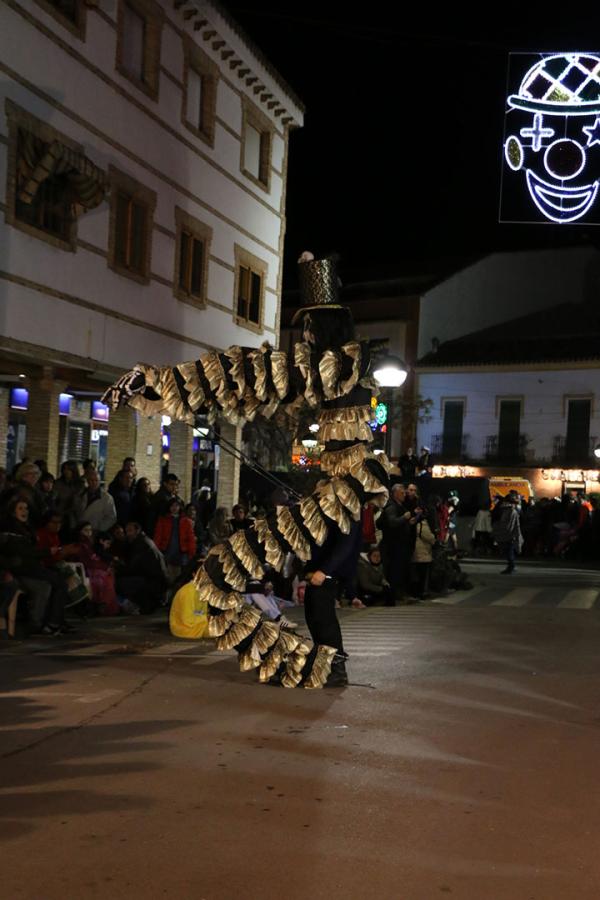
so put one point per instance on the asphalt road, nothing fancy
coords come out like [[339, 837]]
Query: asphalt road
[[462, 761]]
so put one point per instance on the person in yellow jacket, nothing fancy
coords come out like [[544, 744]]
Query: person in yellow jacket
[[423, 555], [188, 616]]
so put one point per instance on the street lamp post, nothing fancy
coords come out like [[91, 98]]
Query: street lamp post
[[390, 372]]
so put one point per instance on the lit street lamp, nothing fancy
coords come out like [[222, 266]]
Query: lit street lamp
[[390, 371]]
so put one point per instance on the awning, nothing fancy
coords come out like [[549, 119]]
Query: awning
[[37, 160]]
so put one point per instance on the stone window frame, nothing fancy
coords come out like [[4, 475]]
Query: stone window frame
[[462, 400], [253, 116], [20, 119], [514, 398], [249, 261], [566, 399], [147, 198], [195, 58], [199, 231], [153, 16], [76, 28]]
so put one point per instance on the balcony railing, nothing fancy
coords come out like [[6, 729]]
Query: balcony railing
[[495, 452], [564, 454], [442, 455]]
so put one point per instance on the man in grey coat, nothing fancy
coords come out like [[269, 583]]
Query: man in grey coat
[[506, 529], [95, 505]]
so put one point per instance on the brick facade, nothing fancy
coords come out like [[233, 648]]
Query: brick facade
[[121, 441], [43, 420], [228, 488], [181, 456], [148, 436]]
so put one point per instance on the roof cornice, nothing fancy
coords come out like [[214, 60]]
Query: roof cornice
[[219, 32]]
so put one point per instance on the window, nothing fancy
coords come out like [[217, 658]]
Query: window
[[577, 447], [131, 233], [67, 8], [50, 207], [509, 429], [134, 38], [251, 274], [200, 79], [191, 258], [453, 429], [50, 182], [138, 43], [70, 13], [130, 237], [256, 146]]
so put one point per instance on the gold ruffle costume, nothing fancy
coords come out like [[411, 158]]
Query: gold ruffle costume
[[238, 385]]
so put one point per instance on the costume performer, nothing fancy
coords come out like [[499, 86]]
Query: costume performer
[[329, 371]]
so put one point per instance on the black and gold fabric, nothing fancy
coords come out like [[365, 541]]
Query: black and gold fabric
[[238, 385]]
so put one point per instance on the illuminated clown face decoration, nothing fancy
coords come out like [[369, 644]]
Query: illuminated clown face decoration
[[553, 128]]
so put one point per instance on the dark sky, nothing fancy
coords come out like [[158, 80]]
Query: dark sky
[[398, 164]]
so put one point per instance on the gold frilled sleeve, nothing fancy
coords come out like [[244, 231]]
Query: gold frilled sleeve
[[303, 362], [330, 369]]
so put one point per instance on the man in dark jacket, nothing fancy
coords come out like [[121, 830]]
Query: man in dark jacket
[[397, 542], [122, 493], [143, 579], [506, 528]]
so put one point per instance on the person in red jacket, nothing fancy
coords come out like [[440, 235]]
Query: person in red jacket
[[174, 536]]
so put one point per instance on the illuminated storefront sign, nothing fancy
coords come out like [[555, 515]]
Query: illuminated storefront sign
[[454, 472], [571, 474], [552, 139]]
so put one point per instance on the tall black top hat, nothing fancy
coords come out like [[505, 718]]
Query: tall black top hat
[[319, 283]]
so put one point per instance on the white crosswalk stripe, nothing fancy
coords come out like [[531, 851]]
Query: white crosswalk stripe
[[579, 599], [517, 597]]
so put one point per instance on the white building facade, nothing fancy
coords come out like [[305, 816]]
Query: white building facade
[[143, 159]]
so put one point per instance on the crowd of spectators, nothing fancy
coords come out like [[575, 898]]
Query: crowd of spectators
[[566, 527], [68, 547]]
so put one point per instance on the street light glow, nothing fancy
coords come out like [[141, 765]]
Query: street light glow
[[391, 371]]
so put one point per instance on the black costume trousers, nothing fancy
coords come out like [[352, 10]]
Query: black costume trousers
[[321, 618]]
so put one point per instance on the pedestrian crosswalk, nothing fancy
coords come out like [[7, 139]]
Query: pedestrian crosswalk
[[372, 633], [548, 596]]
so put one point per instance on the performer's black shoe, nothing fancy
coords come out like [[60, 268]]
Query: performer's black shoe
[[338, 676]]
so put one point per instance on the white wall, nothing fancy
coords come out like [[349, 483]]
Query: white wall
[[544, 410], [103, 317], [504, 286]]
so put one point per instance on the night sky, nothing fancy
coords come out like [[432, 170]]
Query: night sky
[[398, 165]]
